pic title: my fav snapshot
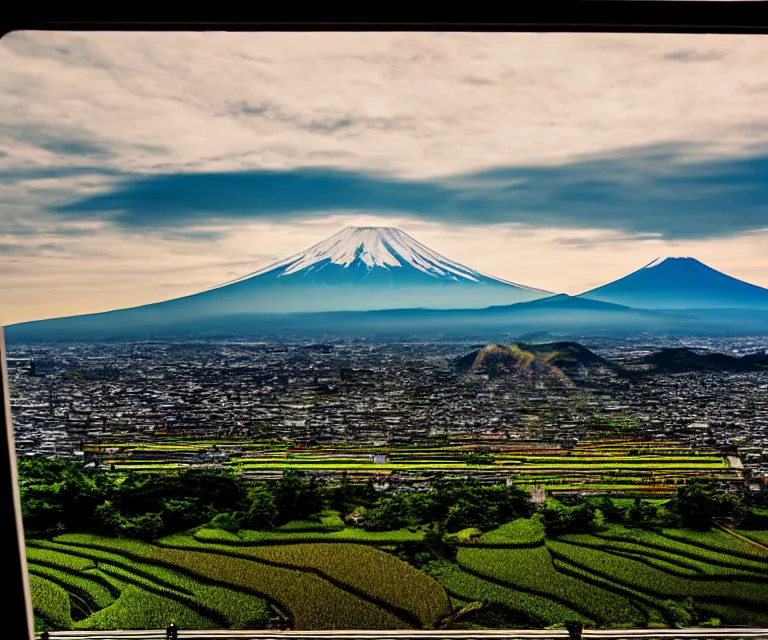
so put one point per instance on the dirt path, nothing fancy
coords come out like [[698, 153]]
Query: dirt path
[[741, 537]]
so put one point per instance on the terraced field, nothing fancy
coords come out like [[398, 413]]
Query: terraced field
[[619, 466], [620, 577], [365, 570], [628, 577], [213, 586], [349, 534]]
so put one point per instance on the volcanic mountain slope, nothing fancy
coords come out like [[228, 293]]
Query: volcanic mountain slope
[[559, 359], [358, 269], [366, 268], [680, 283], [683, 359]]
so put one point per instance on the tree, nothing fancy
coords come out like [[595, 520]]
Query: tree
[[642, 512], [147, 527], [225, 522], [463, 505], [181, 514], [465, 514], [611, 511], [345, 495], [387, 514], [296, 497], [700, 501], [582, 519], [108, 518], [40, 515], [436, 541], [61, 494], [200, 487], [436, 546], [555, 520], [682, 613], [261, 513]]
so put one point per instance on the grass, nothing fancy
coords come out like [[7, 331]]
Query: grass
[[92, 592], [532, 570], [670, 561], [536, 610], [758, 536], [669, 544], [50, 602], [361, 568], [301, 526], [137, 608], [349, 534], [227, 608], [719, 540], [311, 601], [658, 581], [521, 532]]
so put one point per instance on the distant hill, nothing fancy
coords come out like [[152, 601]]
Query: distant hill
[[684, 359], [526, 360], [560, 314]]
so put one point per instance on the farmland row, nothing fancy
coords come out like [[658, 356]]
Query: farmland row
[[311, 598]]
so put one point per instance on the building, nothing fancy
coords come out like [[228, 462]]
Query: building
[[538, 496]]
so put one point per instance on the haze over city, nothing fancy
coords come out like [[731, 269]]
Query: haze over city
[[141, 167]]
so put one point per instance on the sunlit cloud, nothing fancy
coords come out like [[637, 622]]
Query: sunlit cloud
[[137, 167]]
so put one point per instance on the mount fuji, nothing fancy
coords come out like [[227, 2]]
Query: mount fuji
[[358, 269], [680, 283], [365, 269]]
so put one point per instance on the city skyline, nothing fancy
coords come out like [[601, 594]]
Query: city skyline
[[143, 167]]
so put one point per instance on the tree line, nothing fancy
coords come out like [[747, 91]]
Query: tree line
[[60, 496]]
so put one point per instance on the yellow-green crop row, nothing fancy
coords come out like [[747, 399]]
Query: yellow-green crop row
[[363, 568], [532, 570], [312, 602]]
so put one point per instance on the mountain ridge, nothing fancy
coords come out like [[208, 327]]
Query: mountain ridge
[[682, 359], [350, 283]]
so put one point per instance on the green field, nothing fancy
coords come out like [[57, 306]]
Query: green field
[[254, 543], [352, 579], [618, 465]]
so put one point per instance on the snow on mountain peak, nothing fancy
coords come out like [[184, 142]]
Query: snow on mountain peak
[[659, 261], [386, 247], [371, 248]]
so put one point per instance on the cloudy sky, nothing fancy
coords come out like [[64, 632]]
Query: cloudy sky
[[140, 167]]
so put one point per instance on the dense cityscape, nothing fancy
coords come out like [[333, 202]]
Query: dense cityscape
[[368, 395]]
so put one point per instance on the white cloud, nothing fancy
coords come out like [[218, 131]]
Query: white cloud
[[417, 105]]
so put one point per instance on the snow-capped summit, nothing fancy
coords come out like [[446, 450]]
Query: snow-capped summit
[[358, 269], [366, 269], [364, 249], [659, 261], [386, 247], [680, 283]]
